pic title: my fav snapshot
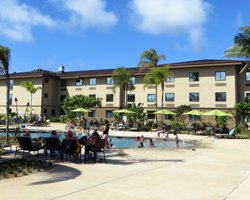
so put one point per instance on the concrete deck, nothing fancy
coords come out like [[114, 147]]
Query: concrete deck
[[218, 170]]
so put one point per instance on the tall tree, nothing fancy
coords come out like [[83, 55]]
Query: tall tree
[[4, 69], [241, 48], [123, 79], [30, 87], [157, 76], [150, 59]]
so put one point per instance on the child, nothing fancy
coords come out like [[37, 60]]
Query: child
[[177, 140]]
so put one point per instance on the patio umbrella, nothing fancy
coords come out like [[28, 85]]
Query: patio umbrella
[[218, 113], [194, 112], [164, 112], [80, 110], [125, 111]]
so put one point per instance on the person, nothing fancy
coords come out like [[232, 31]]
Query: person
[[177, 140], [106, 133], [151, 143], [54, 133], [140, 141], [75, 148], [165, 136], [159, 130], [39, 120], [52, 152], [35, 141], [90, 144], [15, 122], [225, 129]]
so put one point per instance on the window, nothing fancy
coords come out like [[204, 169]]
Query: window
[[194, 96], [220, 76], [46, 95], [169, 117], [79, 82], [169, 97], [45, 111], [151, 98], [63, 83], [131, 97], [248, 96], [220, 96], [151, 115], [62, 97], [110, 81], [247, 76], [11, 84], [92, 81], [92, 113], [53, 112], [62, 112], [194, 118], [193, 76], [92, 95], [109, 97], [170, 79], [46, 80], [10, 99], [109, 114], [132, 79]]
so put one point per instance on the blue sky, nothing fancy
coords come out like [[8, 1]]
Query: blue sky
[[104, 34]]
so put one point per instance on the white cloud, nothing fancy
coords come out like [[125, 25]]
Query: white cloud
[[171, 17], [88, 13], [16, 20]]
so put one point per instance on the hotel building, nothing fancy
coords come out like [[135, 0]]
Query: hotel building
[[202, 84]]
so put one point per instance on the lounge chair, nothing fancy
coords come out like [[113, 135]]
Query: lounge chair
[[26, 144], [53, 144], [100, 146], [69, 149], [4, 144]]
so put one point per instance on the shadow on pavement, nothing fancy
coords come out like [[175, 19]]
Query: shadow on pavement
[[58, 173]]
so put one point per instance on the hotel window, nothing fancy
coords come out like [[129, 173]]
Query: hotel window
[[92, 113], [109, 97], [92, 95], [194, 96], [110, 81], [151, 98], [170, 79], [132, 79], [46, 80], [194, 118], [53, 112], [151, 115], [46, 95], [62, 97], [193, 76], [10, 98], [63, 83], [248, 96], [220, 76], [131, 97], [169, 117], [169, 96], [92, 81], [109, 114], [11, 84], [45, 111], [220, 96], [247, 76], [79, 82]]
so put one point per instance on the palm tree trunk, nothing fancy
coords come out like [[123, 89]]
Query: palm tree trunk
[[30, 104], [162, 98], [7, 106], [125, 96], [156, 105]]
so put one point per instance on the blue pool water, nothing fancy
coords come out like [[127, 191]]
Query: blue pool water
[[129, 142]]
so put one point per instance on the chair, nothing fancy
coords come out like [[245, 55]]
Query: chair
[[26, 144], [100, 146], [53, 144], [3, 144], [69, 148]]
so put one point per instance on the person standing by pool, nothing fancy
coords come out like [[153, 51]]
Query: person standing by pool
[[106, 133], [177, 140]]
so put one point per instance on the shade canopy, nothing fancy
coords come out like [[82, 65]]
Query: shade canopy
[[164, 112], [80, 110], [218, 113], [194, 112], [126, 111]]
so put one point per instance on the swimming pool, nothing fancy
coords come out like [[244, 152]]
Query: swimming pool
[[129, 142]]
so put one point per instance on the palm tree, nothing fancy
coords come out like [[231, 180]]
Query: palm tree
[[4, 69], [122, 79], [157, 76], [30, 87], [150, 59], [241, 48]]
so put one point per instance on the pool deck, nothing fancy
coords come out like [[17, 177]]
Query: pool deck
[[219, 169]]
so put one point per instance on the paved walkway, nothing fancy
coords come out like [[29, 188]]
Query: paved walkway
[[218, 170]]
